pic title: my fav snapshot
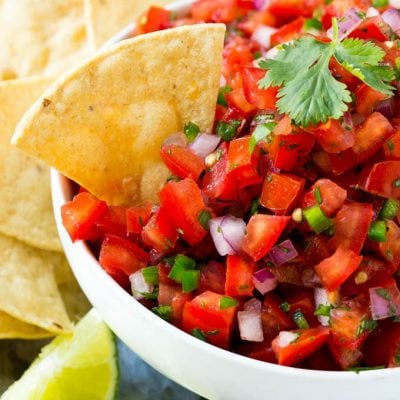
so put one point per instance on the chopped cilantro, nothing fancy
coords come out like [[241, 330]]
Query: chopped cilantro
[[380, 3], [221, 95], [298, 96], [191, 130], [357, 370], [254, 206], [203, 218], [199, 334], [366, 325], [323, 310], [381, 292], [285, 306], [164, 312], [227, 301], [311, 24]]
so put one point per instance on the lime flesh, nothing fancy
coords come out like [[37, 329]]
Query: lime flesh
[[80, 366]]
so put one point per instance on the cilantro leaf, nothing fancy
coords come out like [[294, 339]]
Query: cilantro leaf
[[362, 60], [308, 92]]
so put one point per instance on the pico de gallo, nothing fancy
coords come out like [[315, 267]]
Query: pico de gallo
[[277, 234]]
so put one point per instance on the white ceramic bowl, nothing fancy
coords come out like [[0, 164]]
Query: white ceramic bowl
[[203, 368]]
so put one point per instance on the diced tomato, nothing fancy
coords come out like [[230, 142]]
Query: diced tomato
[[307, 342], [390, 249], [303, 301], [137, 217], [217, 184], [391, 147], [236, 99], [273, 318], [262, 352], [212, 277], [237, 54], [239, 276], [374, 28], [120, 254], [181, 161], [367, 99], [263, 99], [204, 313], [280, 192], [316, 249], [383, 179], [113, 222], [284, 126], [290, 31], [327, 194], [80, 215], [159, 233], [333, 137], [334, 270], [170, 295], [291, 273], [216, 10], [289, 151], [351, 226], [262, 233], [156, 18], [345, 357], [342, 74], [287, 9], [372, 133], [184, 203], [252, 21]]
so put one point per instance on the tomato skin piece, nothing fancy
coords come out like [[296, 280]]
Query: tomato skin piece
[[172, 295], [253, 21], [120, 254], [137, 217], [288, 32], [352, 223], [216, 10], [184, 203], [287, 9], [181, 161], [367, 99], [344, 356], [80, 215], [212, 277], [113, 222], [332, 137], [332, 196], [262, 233], [263, 99], [239, 276], [308, 341], [204, 313], [280, 192], [374, 28], [237, 100], [372, 133], [382, 179], [334, 270]]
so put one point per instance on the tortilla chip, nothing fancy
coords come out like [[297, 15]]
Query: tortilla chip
[[104, 123], [26, 211], [29, 291], [41, 36], [12, 328], [75, 301], [105, 18]]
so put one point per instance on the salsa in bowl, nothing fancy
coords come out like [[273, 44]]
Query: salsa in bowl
[[276, 235]]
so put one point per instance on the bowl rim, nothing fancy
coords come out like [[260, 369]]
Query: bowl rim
[[61, 193]]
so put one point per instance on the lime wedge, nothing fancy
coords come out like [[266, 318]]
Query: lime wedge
[[80, 366]]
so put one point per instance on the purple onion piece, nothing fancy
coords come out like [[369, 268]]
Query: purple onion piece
[[384, 302], [386, 107], [346, 24], [260, 4], [283, 252], [264, 280], [233, 231], [392, 18], [347, 121], [262, 36], [252, 305], [250, 326], [204, 144], [222, 246]]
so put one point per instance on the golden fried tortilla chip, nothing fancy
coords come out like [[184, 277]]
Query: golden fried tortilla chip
[[29, 291], [12, 328], [26, 211], [41, 36], [104, 123], [105, 18], [75, 301]]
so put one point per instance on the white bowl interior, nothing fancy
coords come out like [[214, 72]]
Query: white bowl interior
[[202, 368]]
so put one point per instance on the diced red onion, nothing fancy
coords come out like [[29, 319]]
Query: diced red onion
[[286, 337], [346, 24], [384, 306], [283, 252], [233, 230], [264, 280], [347, 122], [321, 297], [250, 325], [262, 35], [392, 18], [139, 285], [204, 144], [386, 107], [372, 12], [260, 4], [177, 138], [221, 244], [357, 119], [394, 3]]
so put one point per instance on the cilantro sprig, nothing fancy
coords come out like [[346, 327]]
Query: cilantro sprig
[[309, 93]]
